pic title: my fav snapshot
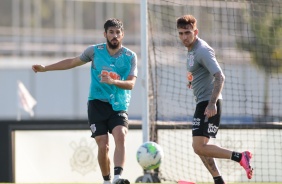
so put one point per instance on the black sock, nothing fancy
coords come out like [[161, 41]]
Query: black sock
[[107, 178], [118, 170], [218, 180], [236, 156]]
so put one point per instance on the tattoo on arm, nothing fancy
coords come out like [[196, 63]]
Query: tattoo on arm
[[217, 86]]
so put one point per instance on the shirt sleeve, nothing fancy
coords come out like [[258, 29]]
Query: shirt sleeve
[[88, 54], [208, 60], [134, 70]]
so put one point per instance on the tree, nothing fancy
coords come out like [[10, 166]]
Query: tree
[[265, 44]]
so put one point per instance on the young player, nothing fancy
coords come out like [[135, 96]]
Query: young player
[[206, 79]]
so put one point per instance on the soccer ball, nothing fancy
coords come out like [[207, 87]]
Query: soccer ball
[[149, 155]]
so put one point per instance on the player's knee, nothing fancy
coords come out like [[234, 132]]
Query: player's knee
[[104, 148], [198, 149], [119, 133], [103, 144]]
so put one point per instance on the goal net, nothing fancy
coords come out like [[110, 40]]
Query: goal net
[[247, 39]]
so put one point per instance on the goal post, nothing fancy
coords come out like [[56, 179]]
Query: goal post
[[246, 36], [144, 79]]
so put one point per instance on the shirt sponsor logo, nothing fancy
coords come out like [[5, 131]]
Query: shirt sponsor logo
[[113, 75], [190, 76]]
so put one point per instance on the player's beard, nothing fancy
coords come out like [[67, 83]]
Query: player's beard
[[113, 46]]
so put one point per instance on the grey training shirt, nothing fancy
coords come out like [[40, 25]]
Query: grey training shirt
[[201, 66]]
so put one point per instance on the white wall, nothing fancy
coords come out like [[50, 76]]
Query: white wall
[[70, 156], [67, 157]]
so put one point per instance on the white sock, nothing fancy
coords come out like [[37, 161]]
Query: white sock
[[107, 182], [116, 177]]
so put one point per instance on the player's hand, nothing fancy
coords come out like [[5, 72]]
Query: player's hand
[[211, 110], [38, 68], [105, 78]]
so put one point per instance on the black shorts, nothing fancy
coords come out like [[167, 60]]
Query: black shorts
[[208, 128], [103, 119]]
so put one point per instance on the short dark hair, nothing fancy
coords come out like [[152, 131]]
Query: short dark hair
[[113, 22], [185, 20]]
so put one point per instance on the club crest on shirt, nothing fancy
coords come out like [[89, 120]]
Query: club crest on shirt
[[191, 60]]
